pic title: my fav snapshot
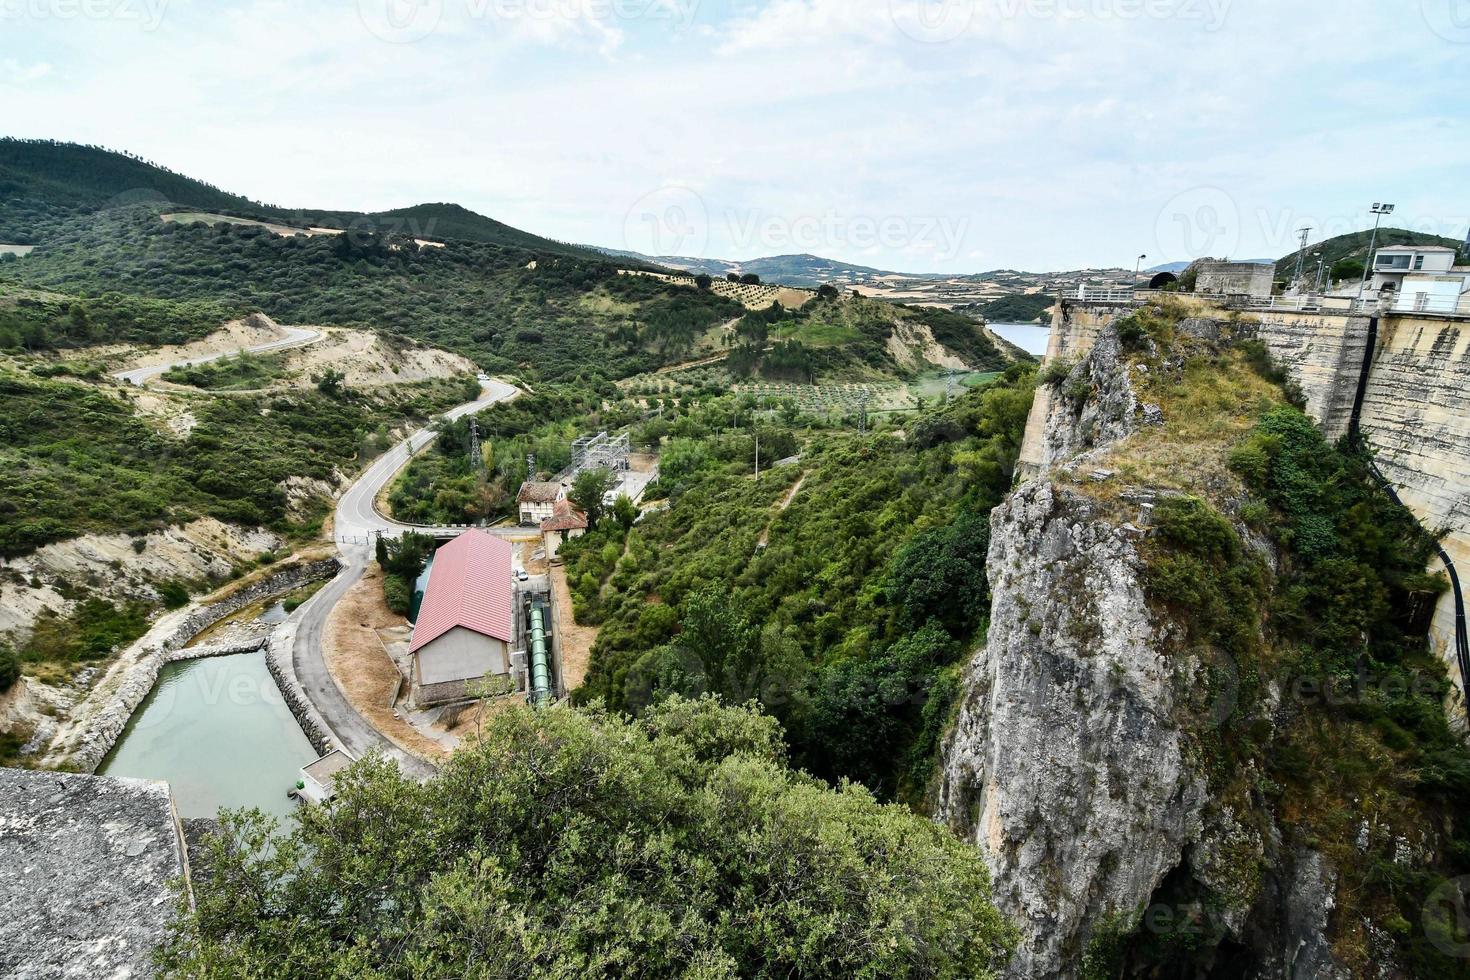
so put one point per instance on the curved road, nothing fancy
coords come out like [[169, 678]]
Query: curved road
[[295, 337], [357, 522]]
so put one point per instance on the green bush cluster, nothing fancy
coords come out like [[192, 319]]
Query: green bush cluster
[[76, 459], [577, 843], [869, 586], [9, 667]]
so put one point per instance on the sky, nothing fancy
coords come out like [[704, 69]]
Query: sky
[[914, 135]]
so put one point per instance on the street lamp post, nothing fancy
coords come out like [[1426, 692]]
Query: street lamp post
[[1321, 263], [1136, 267], [1379, 210]]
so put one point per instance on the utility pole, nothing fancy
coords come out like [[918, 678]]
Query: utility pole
[[477, 456], [1301, 256], [1379, 210]]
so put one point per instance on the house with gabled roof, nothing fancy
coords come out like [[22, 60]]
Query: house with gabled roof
[[565, 523], [537, 501], [464, 629]]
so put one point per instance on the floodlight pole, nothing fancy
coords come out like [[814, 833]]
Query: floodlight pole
[[1379, 210]]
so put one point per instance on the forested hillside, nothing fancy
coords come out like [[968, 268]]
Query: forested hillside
[[44, 183], [841, 592], [508, 309], [1355, 247], [76, 458]]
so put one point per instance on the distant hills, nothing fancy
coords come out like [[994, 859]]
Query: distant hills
[[1355, 245], [43, 181], [802, 270]]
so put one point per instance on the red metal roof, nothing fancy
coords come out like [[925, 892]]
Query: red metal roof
[[470, 586]]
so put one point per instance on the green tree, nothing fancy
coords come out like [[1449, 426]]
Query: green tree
[[1347, 270], [329, 381], [572, 843], [625, 511], [940, 575], [589, 490], [9, 667]]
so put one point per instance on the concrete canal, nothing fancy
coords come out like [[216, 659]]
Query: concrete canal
[[218, 731]]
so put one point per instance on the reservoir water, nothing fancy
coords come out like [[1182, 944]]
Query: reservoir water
[[1030, 337], [219, 733]]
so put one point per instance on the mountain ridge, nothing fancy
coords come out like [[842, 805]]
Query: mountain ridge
[[59, 179]]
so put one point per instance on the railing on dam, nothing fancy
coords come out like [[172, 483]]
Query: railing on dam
[[1347, 305]]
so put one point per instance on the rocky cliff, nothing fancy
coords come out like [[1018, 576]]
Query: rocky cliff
[[1087, 758], [1067, 764]]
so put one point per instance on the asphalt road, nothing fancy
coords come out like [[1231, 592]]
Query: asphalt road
[[295, 337], [357, 522]]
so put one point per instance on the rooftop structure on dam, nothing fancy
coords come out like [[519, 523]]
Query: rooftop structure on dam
[[86, 865]]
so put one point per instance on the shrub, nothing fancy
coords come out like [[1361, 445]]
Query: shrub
[[175, 594], [9, 667], [397, 594], [1056, 371], [570, 843]]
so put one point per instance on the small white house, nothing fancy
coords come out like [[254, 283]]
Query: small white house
[[1421, 279], [318, 780], [1392, 264]]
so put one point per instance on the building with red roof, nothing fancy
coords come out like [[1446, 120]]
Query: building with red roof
[[465, 625], [566, 522]]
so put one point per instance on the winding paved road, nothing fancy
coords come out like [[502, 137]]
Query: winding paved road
[[295, 337], [357, 523]]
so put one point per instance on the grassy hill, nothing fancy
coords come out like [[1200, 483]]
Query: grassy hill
[[43, 183], [1355, 245]]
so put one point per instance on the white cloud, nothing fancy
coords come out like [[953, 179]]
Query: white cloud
[[1056, 139]]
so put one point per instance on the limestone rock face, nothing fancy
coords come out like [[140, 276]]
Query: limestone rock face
[[1076, 426], [1066, 766], [1075, 763]]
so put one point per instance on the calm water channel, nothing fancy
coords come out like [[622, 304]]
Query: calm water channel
[[219, 733]]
